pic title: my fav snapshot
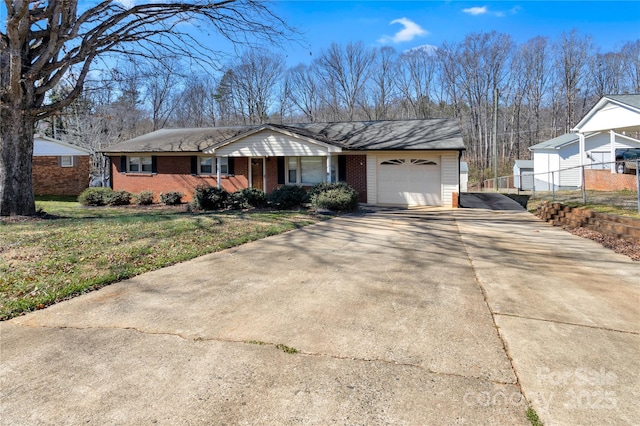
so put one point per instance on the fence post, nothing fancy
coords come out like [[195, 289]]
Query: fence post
[[553, 187], [584, 186]]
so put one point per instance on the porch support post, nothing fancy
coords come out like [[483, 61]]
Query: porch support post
[[218, 172], [612, 158], [582, 155], [329, 168]]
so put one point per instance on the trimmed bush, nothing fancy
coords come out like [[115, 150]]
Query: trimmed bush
[[210, 198], [172, 198], [334, 196], [119, 198], [95, 196], [288, 197], [143, 198], [246, 198]]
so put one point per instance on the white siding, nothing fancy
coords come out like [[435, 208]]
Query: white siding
[[570, 173], [372, 179], [45, 148], [450, 177], [271, 144]]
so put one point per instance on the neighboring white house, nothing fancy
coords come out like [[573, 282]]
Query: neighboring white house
[[556, 162], [523, 175], [613, 114], [464, 176]]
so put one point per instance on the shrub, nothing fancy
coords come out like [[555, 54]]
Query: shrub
[[95, 196], [172, 198], [210, 198], [288, 197], [247, 197], [119, 198], [143, 198], [334, 196]]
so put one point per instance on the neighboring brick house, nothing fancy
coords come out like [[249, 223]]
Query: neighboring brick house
[[409, 162], [59, 168]]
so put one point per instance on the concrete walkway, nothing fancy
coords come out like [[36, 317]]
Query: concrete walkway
[[401, 316]]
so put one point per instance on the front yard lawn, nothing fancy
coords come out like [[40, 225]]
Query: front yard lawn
[[76, 249]]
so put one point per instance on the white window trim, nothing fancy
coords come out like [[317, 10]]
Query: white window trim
[[66, 157], [139, 163], [299, 171], [224, 162]]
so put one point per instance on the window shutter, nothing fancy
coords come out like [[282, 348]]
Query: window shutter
[[123, 164], [194, 165], [231, 166], [342, 168], [281, 171], [154, 164]]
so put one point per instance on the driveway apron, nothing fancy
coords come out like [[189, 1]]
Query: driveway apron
[[383, 309]]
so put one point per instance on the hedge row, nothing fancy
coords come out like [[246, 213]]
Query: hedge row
[[330, 196]]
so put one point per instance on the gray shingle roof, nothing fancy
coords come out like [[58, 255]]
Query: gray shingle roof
[[431, 134], [560, 141], [631, 100], [556, 143], [524, 164]]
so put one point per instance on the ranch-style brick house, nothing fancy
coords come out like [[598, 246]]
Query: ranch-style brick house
[[404, 162]]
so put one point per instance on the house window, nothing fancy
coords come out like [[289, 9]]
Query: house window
[[305, 170], [66, 161], [140, 165], [207, 165]]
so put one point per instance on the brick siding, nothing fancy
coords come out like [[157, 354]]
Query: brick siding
[[49, 178], [604, 180], [174, 174], [575, 217], [357, 175]]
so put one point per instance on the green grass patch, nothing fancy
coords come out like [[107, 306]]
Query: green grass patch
[[76, 249], [286, 349], [532, 416]]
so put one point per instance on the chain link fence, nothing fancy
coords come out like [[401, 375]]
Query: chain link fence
[[592, 183]]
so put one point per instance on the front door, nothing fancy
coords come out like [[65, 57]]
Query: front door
[[257, 181]]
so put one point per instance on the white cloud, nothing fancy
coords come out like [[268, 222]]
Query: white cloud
[[484, 10], [476, 10], [410, 31]]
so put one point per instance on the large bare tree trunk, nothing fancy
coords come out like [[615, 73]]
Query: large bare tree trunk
[[16, 153]]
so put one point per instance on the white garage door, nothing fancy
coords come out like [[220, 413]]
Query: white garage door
[[409, 180]]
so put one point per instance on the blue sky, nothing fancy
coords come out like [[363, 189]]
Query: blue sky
[[407, 24]]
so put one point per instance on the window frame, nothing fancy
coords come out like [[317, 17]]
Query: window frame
[[224, 166], [299, 171], [140, 163], [66, 157]]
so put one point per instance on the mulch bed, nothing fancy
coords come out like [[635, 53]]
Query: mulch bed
[[619, 245]]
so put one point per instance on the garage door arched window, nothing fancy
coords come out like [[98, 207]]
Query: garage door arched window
[[393, 162], [423, 162]]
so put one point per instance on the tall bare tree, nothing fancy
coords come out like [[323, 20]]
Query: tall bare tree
[[416, 75], [45, 40], [255, 84], [344, 71]]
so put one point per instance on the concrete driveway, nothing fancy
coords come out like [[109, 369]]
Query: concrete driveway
[[397, 316]]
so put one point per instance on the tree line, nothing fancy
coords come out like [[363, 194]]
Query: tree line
[[544, 87]]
